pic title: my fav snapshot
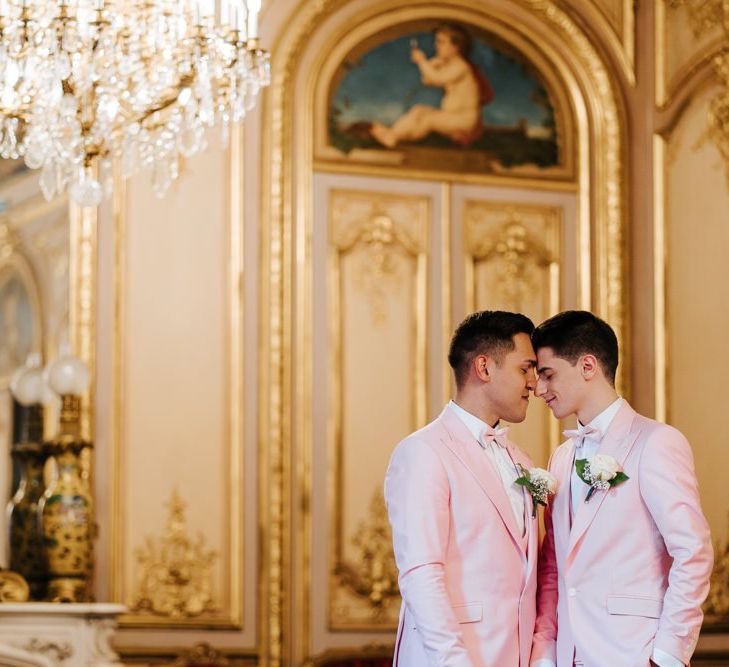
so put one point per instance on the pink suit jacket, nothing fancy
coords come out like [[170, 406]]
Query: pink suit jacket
[[467, 575], [633, 570]]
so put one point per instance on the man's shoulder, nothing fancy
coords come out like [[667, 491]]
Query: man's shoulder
[[655, 433], [433, 432]]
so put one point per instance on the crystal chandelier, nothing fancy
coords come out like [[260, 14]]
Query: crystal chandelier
[[87, 82]]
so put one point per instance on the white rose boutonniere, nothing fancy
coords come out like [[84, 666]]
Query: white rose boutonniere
[[600, 473], [539, 482]]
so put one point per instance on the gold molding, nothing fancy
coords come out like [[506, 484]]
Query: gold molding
[[619, 33], [82, 302], [446, 279], [548, 184], [286, 225], [660, 322], [369, 229], [233, 540]]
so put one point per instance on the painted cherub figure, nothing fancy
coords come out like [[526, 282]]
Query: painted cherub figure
[[466, 91]]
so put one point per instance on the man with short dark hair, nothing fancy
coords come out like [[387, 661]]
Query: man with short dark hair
[[465, 539], [626, 559]]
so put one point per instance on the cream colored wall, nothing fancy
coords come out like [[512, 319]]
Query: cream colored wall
[[697, 301]]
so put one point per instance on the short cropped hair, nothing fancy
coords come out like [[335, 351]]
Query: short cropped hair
[[489, 332], [574, 333]]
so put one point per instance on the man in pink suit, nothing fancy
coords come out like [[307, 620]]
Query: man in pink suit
[[464, 537], [624, 566]]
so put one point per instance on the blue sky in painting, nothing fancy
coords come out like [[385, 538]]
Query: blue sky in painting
[[384, 84]]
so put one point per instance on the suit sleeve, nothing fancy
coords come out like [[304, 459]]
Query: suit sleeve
[[670, 491], [417, 493], [544, 643]]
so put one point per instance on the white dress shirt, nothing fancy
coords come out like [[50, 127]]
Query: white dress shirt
[[578, 491], [588, 449], [501, 460]]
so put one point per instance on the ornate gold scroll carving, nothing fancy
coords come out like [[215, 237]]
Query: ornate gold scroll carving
[[373, 576], [175, 578]]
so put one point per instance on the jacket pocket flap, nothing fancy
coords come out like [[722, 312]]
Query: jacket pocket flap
[[629, 605], [468, 613]]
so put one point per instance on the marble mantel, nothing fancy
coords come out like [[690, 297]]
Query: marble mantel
[[59, 635]]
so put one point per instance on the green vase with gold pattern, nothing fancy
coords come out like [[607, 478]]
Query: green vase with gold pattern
[[67, 513]]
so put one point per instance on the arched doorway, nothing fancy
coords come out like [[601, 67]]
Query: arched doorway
[[367, 266]]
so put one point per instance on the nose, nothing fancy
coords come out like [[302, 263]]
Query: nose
[[541, 388], [531, 381]]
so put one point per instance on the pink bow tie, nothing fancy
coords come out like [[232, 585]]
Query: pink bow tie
[[581, 432], [497, 435]]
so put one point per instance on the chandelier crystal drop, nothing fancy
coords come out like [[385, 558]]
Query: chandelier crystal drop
[[84, 83]]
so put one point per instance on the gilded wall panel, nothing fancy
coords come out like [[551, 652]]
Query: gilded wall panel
[[689, 34], [177, 528], [696, 240], [512, 254], [378, 273]]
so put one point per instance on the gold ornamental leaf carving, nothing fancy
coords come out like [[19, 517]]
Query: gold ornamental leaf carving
[[201, 654], [385, 230], [704, 16], [373, 576], [516, 255], [175, 571]]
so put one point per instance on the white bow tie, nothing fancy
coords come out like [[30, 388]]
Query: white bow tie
[[581, 432]]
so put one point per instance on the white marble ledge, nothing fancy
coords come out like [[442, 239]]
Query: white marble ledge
[[58, 634]]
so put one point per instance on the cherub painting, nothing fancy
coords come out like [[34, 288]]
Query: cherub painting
[[444, 96], [466, 91]]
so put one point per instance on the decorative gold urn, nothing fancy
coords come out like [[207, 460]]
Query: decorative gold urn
[[27, 556], [67, 512]]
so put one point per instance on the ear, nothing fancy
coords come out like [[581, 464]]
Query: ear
[[482, 366], [589, 366]]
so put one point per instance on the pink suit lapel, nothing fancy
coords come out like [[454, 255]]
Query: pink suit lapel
[[530, 540], [467, 449], [617, 443], [561, 509]]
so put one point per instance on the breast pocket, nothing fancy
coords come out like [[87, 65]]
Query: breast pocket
[[631, 605]]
